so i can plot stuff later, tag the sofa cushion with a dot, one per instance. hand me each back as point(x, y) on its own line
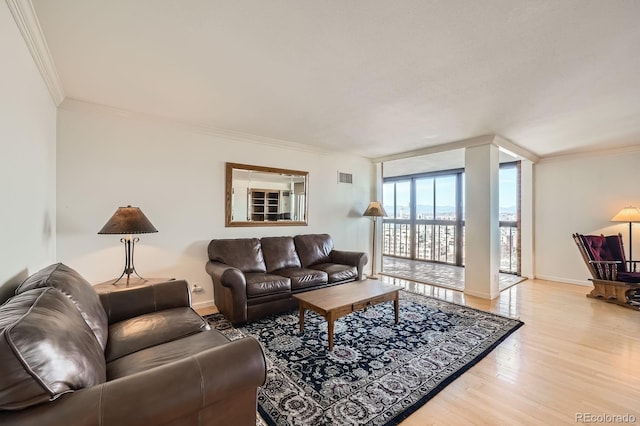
point(259, 284)
point(46, 349)
point(338, 273)
point(304, 278)
point(144, 331)
point(279, 253)
point(75, 288)
point(165, 353)
point(314, 248)
point(242, 253)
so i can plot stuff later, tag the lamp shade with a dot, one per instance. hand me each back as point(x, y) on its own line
point(128, 220)
point(375, 209)
point(628, 214)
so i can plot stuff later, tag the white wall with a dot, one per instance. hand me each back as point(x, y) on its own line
point(27, 174)
point(176, 176)
point(580, 194)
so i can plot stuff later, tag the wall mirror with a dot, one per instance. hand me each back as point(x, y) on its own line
point(265, 196)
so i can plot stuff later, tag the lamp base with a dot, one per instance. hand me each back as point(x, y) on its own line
point(129, 245)
point(128, 273)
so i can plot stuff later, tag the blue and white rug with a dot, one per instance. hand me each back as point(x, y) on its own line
point(379, 372)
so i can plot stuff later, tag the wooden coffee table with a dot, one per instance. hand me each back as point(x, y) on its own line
point(342, 299)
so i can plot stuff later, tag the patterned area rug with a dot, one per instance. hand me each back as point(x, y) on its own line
point(379, 372)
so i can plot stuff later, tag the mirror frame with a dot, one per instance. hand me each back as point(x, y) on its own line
point(229, 191)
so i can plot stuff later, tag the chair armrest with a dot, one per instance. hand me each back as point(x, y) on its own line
point(135, 301)
point(606, 269)
point(353, 258)
point(161, 395)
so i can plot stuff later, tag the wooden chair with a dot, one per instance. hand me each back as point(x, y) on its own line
point(612, 280)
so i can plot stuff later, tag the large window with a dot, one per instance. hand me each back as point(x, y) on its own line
point(426, 217)
point(397, 203)
point(509, 221)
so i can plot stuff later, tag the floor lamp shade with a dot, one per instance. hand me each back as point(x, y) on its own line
point(128, 220)
point(628, 214)
point(374, 211)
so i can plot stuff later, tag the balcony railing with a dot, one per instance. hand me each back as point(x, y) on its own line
point(436, 242)
point(509, 247)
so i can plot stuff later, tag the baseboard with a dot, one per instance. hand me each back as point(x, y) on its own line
point(204, 304)
point(481, 294)
point(563, 280)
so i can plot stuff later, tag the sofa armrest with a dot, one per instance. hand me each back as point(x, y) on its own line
point(353, 258)
point(229, 290)
point(179, 390)
point(135, 301)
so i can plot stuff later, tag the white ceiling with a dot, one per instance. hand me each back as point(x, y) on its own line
point(374, 77)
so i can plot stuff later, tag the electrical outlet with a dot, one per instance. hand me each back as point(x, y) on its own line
point(195, 288)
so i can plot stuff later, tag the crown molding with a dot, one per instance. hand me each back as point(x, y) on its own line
point(75, 105)
point(591, 153)
point(450, 146)
point(515, 150)
point(503, 143)
point(25, 17)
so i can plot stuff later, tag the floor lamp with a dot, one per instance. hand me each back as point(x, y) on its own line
point(374, 211)
point(128, 220)
point(628, 214)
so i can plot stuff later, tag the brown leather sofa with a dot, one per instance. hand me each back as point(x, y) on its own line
point(253, 278)
point(143, 356)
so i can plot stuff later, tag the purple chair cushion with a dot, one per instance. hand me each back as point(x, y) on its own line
point(629, 277)
point(607, 248)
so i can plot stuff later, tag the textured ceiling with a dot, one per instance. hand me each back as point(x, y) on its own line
point(374, 77)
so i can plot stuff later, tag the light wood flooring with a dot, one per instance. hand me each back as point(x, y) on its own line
point(438, 274)
point(575, 357)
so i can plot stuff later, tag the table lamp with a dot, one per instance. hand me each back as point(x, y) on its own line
point(128, 220)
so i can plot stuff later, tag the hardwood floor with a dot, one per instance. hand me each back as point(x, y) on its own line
point(575, 357)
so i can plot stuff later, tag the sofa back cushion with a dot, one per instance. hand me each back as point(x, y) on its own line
point(279, 253)
point(314, 248)
point(76, 288)
point(242, 253)
point(152, 329)
point(46, 349)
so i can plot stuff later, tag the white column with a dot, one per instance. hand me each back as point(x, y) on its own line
point(482, 226)
point(378, 196)
point(526, 219)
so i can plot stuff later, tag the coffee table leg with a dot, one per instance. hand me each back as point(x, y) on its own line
point(330, 332)
point(396, 305)
point(301, 317)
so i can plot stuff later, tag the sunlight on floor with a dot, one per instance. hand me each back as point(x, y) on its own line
point(437, 274)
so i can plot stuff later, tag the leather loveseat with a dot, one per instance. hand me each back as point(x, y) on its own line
point(143, 356)
point(253, 278)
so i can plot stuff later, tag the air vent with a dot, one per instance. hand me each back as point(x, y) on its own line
point(345, 177)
